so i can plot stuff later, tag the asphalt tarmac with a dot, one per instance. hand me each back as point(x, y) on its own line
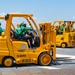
point(64, 65)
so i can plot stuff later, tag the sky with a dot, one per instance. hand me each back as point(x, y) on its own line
point(42, 10)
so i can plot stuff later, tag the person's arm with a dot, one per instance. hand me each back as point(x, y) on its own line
point(28, 28)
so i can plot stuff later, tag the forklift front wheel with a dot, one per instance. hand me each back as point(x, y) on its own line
point(44, 59)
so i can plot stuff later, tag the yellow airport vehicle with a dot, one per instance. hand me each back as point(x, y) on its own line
point(67, 37)
point(18, 52)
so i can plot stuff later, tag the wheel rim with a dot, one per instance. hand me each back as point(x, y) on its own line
point(63, 45)
point(8, 62)
point(45, 59)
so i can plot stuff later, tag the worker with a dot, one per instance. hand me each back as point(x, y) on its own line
point(22, 33)
point(21, 28)
point(24, 27)
point(67, 28)
point(0, 29)
point(19, 32)
point(62, 28)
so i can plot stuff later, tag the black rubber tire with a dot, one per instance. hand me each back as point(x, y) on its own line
point(8, 62)
point(40, 56)
point(63, 45)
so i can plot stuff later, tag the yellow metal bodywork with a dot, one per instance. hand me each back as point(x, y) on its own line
point(49, 36)
point(18, 50)
point(67, 38)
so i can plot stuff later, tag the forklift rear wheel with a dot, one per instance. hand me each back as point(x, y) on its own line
point(7, 62)
point(63, 45)
point(44, 59)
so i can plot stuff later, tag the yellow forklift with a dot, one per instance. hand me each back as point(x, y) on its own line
point(18, 52)
point(67, 37)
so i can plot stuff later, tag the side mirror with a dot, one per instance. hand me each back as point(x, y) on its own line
point(3, 34)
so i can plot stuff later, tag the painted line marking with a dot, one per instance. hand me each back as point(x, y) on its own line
point(62, 55)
